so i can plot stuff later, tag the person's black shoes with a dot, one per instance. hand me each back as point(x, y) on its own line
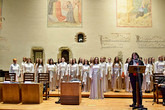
point(133, 105)
point(141, 106)
point(147, 91)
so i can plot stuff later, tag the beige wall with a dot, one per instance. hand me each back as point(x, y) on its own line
point(25, 26)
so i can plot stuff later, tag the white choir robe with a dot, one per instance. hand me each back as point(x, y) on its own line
point(28, 68)
point(96, 76)
point(85, 77)
point(58, 71)
point(35, 70)
point(55, 83)
point(51, 70)
point(116, 73)
point(148, 73)
point(127, 78)
point(68, 71)
point(109, 73)
point(57, 74)
point(74, 71)
point(40, 69)
point(89, 88)
point(22, 69)
point(15, 68)
point(105, 79)
point(153, 67)
point(91, 64)
point(62, 71)
point(154, 70)
point(80, 65)
point(144, 81)
point(109, 70)
point(45, 68)
point(159, 67)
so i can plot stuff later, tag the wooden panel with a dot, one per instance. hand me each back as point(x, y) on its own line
point(70, 93)
point(11, 93)
point(32, 93)
point(67, 100)
point(0, 92)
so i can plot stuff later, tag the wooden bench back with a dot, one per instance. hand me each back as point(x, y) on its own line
point(10, 76)
point(156, 77)
point(28, 77)
point(43, 77)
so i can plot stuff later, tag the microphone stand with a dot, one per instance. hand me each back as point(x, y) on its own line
point(58, 102)
point(138, 80)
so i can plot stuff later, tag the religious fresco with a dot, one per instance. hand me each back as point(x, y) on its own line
point(64, 13)
point(1, 1)
point(134, 13)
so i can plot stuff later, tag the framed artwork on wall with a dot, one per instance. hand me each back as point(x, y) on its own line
point(134, 13)
point(1, 3)
point(64, 13)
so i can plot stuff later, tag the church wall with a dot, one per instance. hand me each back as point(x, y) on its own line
point(25, 26)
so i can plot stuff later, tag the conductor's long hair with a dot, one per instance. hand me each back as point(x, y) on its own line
point(135, 54)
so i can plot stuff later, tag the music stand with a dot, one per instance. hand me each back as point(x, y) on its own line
point(137, 70)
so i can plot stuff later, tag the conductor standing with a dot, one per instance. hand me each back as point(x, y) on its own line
point(135, 62)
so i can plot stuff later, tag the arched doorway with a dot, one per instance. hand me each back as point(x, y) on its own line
point(65, 54)
point(37, 52)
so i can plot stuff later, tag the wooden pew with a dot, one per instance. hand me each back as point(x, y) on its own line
point(28, 77)
point(44, 78)
point(156, 86)
point(10, 77)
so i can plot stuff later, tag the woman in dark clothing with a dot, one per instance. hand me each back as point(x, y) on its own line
point(135, 62)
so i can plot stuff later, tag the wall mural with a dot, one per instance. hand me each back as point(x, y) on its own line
point(1, 1)
point(134, 13)
point(64, 13)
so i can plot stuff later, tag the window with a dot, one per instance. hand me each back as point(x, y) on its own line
point(80, 37)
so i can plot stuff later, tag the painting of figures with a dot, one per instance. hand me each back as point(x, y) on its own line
point(1, 1)
point(134, 13)
point(64, 13)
